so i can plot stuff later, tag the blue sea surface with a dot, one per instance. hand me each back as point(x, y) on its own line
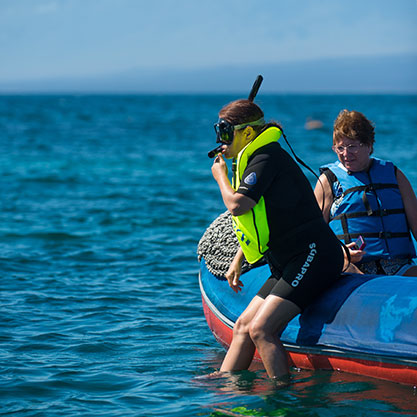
point(104, 200)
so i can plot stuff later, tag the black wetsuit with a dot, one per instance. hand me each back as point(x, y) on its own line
point(304, 255)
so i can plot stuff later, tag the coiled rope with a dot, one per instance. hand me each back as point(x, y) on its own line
point(218, 246)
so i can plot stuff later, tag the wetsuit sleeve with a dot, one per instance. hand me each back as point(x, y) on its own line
point(259, 174)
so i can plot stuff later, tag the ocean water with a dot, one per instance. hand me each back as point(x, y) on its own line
point(104, 199)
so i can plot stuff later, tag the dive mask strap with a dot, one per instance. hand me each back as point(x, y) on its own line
point(259, 122)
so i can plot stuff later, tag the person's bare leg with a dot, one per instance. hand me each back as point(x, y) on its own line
point(411, 272)
point(352, 269)
point(272, 316)
point(241, 350)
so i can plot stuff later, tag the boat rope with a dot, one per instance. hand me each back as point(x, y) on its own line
point(218, 246)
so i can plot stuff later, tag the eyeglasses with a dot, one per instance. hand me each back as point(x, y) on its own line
point(351, 148)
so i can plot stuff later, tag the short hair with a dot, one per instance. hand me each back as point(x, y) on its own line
point(353, 125)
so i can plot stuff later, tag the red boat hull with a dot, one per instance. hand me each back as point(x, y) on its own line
point(316, 358)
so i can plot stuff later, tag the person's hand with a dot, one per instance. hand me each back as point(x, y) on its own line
point(356, 255)
point(219, 167)
point(233, 274)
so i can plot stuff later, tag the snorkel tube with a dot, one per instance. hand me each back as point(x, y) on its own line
point(255, 88)
point(251, 97)
point(215, 151)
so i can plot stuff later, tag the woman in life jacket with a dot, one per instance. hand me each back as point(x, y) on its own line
point(276, 216)
point(368, 198)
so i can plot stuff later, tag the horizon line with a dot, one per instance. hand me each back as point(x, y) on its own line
point(201, 93)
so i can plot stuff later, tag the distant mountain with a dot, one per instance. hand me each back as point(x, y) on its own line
point(379, 74)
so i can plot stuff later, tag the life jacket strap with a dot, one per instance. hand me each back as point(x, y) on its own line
point(379, 235)
point(369, 187)
point(346, 236)
point(379, 213)
point(366, 202)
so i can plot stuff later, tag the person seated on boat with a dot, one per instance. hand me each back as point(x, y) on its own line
point(369, 197)
point(275, 215)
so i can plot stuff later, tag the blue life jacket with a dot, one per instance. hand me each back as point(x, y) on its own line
point(370, 204)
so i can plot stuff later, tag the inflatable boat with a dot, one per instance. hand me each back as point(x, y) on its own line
point(363, 324)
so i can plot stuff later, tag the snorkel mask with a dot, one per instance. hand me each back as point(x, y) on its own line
point(225, 131)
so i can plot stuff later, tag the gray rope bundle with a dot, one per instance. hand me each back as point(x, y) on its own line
point(218, 246)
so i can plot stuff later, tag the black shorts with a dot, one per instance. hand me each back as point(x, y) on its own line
point(307, 275)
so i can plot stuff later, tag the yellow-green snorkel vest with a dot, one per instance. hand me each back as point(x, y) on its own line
point(252, 228)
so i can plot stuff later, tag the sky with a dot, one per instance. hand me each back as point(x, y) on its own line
point(71, 38)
